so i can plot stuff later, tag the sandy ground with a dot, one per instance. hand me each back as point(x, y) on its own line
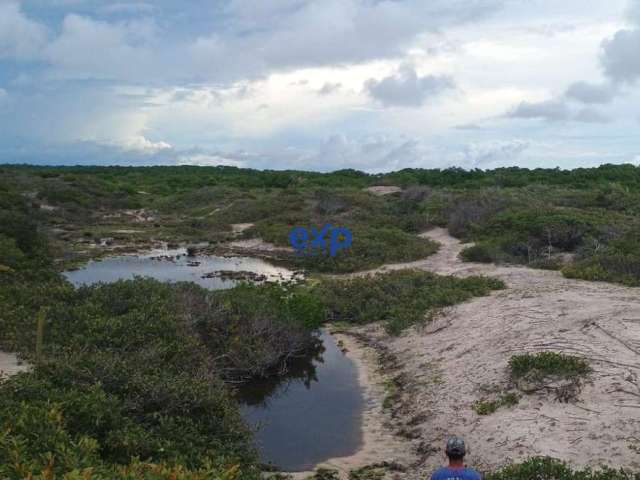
point(447, 366)
point(9, 364)
point(238, 228)
point(380, 190)
point(256, 245)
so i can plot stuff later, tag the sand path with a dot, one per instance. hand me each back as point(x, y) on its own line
point(9, 364)
point(447, 366)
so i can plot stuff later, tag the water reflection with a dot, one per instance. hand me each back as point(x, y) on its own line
point(174, 266)
point(301, 368)
point(311, 415)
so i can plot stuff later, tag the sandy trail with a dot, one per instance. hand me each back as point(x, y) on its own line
point(9, 364)
point(446, 367)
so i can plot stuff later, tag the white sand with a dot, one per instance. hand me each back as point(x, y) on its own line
point(470, 345)
point(9, 364)
point(256, 245)
point(240, 227)
point(380, 190)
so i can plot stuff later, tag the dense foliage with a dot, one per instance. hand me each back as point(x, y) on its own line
point(400, 298)
point(134, 377)
point(583, 221)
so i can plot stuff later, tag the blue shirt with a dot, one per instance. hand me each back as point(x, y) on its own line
point(446, 473)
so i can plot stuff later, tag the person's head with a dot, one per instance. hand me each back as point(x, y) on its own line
point(455, 450)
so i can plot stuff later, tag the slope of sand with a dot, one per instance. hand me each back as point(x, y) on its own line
point(9, 365)
point(380, 190)
point(445, 367)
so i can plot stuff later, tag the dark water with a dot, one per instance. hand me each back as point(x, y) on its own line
point(311, 415)
point(124, 267)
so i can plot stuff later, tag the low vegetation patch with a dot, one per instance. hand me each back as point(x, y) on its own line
point(487, 407)
point(545, 364)
point(552, 469)
point(400, 298)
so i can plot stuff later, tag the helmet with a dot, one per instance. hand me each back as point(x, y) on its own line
point(455, 447)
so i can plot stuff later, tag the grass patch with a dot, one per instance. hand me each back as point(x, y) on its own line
point(392, 391)
point(548, 364)
point(552, 469)
point(487, 407)
point(367, 473)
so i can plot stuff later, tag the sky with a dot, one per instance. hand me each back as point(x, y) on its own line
point(375, 85)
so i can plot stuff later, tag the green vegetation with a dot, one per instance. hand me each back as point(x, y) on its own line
point(400, 299)
point(392, 391)
point(135, 369)
point(487, 407)
point(133, 380)
point(548, 363)
point(552, 469)
point(122, 378)
point(583, 221)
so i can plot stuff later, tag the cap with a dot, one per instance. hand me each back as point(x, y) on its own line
point(455, 446)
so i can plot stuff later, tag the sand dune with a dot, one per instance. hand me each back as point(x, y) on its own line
point(449, 365)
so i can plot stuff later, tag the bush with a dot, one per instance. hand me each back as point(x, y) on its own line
point(129, 371)
point(617, 268)
point(548, 363)
point(400, 299)
point(482, 253)
point(486, 407)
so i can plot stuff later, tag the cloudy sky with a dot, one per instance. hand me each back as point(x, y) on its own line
point(375, 85)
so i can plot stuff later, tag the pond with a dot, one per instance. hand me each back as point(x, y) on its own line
point(173, 265)
point(310, 414)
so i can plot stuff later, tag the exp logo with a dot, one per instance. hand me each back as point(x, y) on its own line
point(315, 241)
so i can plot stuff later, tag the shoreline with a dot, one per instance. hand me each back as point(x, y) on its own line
point(379, 443)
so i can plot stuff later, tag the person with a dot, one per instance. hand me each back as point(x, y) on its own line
point(455, 451)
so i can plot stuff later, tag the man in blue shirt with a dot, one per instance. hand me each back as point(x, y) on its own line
point(456, 470)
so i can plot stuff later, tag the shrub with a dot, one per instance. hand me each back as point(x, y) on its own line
point(548, 363)
point(128, 372)
point(482, 253)
point(486, 407)
point(400, 298)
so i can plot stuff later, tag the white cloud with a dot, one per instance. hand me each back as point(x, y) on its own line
point(20, 37)
point(208, 160)
point(140, 143)
point(280, 82)
point(87, 48)
point(492, 154)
